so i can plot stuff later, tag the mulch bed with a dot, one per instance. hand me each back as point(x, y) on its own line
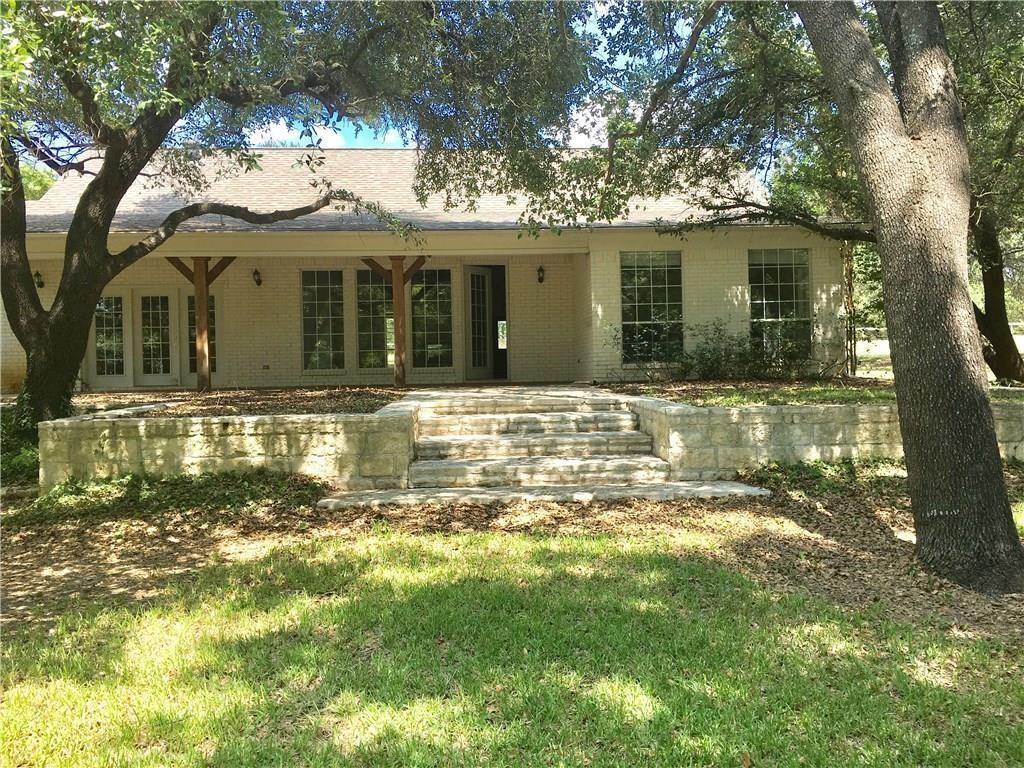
point(843, 390)
point(245, 402)
point(768, 391)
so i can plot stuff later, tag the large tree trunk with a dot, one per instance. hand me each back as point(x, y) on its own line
point(54, 355)
point(912, 158)
point(1001, 353)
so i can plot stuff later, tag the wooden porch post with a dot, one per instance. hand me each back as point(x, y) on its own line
point(398, 310)
point(201, 288)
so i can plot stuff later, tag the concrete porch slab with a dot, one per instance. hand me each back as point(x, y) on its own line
point(585, 494)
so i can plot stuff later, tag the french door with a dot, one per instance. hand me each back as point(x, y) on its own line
point(156, 343)
point(479, 341)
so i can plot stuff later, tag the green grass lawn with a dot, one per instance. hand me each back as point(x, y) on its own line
point(733, 394)
point(381, 643)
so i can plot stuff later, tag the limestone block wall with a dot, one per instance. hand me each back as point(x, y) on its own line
point(353, 451)
point(709, 443)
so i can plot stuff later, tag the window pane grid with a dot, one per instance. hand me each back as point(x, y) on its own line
point(376, 320)
point(110, 336)
point(323, 333)
point(432, 318)
point(652, 303)
point(156, 335)
point(478, 321)
point(211, 334)
point(780, 296)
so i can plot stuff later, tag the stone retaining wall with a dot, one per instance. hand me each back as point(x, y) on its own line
point(354, 451)
point(714, 443)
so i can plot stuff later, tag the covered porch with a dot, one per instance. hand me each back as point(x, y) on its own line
point(236, 321)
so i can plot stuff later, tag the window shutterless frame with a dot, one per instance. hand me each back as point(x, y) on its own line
point(781, 304)
point(157, 336)
point(322, 331)
point(107, 345)
point(651, 284)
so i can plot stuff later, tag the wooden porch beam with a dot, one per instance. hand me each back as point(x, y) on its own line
point(398, 312)
point(179, 265)
point(415, 267)
point(201, 288)
point(382, 272)
point(219, 267)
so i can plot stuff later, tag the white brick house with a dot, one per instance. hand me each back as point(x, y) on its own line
point(298, 305)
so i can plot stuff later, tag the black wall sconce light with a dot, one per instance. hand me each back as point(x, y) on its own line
point(257, 277)
point(540, 274)
point(39, 279)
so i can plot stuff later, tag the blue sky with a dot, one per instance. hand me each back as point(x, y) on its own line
point(345, 136)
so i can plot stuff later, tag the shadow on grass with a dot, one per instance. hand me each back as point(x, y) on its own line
point(82, 547)
point(397, 649)
point(170, 499)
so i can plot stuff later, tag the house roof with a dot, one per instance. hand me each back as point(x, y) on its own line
point(384, 176)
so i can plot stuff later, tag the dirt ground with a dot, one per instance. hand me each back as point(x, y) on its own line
point(245, 402)
point(854, 550)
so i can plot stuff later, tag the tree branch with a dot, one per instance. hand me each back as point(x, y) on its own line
point(662, 88)
point(322, 83)
point(21, 299)
point(83, 93)
point(50, 157)
point(736, 210)
point(176, 218)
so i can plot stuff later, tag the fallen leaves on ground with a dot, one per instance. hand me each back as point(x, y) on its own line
point(851, 545)
point(246, 402)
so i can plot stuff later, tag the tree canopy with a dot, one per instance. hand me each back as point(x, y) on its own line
point(153, 87)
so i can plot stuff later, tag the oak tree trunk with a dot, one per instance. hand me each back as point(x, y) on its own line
point(912, 157)
point(55, 353)
point(1001, 353)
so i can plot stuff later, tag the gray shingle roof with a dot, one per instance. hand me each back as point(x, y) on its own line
point(380, 175)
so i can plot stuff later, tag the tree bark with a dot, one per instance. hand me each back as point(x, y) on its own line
point(54, 356)
point(912, 158)
point(1001, 353)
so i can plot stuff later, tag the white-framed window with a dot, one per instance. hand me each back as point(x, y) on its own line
point(432, 345)
point(780, 297)
point(375, 310)
point(156, 335)
point(323, 329)
point(109, 336)
point(652, 304)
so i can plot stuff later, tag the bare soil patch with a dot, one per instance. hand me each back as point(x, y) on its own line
point(245, 402)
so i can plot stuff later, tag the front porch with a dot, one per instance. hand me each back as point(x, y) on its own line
point(353, 320)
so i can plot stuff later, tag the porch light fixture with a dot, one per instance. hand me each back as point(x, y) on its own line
point(39, 279)
point(540, 274)
point(257, 277)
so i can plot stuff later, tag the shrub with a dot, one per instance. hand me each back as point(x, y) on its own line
point(714, 352)
point(19, 450)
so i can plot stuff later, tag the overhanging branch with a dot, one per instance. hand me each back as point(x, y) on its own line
point(176, 218)
point(734, 210)
point(662, 88)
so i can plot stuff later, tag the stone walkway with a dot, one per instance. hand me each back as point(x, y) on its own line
point(584, 494)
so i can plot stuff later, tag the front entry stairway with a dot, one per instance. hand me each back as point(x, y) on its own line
point(532, 441)
point(492, 445)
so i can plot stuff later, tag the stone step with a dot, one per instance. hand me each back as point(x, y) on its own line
point(579, 494)
point(533, 404)
point(542, 444)
point(526, 423)
point(537, 470)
